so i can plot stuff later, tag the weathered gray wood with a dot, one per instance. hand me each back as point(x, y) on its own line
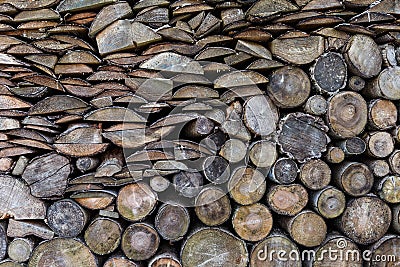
point(47, 175)
point(103, 236)
point(302, 136)
point(66, 218)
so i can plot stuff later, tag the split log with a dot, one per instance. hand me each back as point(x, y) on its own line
point(306, 228)
point(18, 202)
point(211, 246)
point(47, 175)
point(140, 241)
point(103, 236)
point(66, 218)
point(363, 56)
point(357, 224)
point(26, 228)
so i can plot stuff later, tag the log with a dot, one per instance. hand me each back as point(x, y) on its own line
point(188, 184)
point(302, 136)
point(347, 114)
point(379, 144)
point(261, 254)
point(216, 169)
point(335, 154)
point(284, 171)
point(172, 222)
point(287, 200)
point(343, 246)
point(379, 167)
point(253, 222)
point(65, 251)
point(213, 247)
point(289, 87)
point(136, 201)
point(246, 185)
point(165, 259)
point(316, 105)
point(329, 73)
point(20, 249)
point(382, 114)
point(315, 174)
point(385, 250)
point(263, 153)
point(352, 146)
point(394, 162)
point(329, 202)
point(212, 206)
point(353, 178)
point(140, 241)
point(386, 189)
point(396, 218)
point(357, 224)
point(356, 83)
point(103, 236)
point(119, 261)
point(233, 150)
point(306, 228)
point(66, 218)
point(384, 86)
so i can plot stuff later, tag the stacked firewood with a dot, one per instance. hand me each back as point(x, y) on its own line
point(199, 133)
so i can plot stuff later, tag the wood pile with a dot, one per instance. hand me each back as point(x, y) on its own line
point(199, 132)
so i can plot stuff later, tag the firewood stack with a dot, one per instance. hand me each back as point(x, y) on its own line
point(199, 133)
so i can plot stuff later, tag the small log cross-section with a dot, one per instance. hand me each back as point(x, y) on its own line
point(47, 175)
point(302, 136)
